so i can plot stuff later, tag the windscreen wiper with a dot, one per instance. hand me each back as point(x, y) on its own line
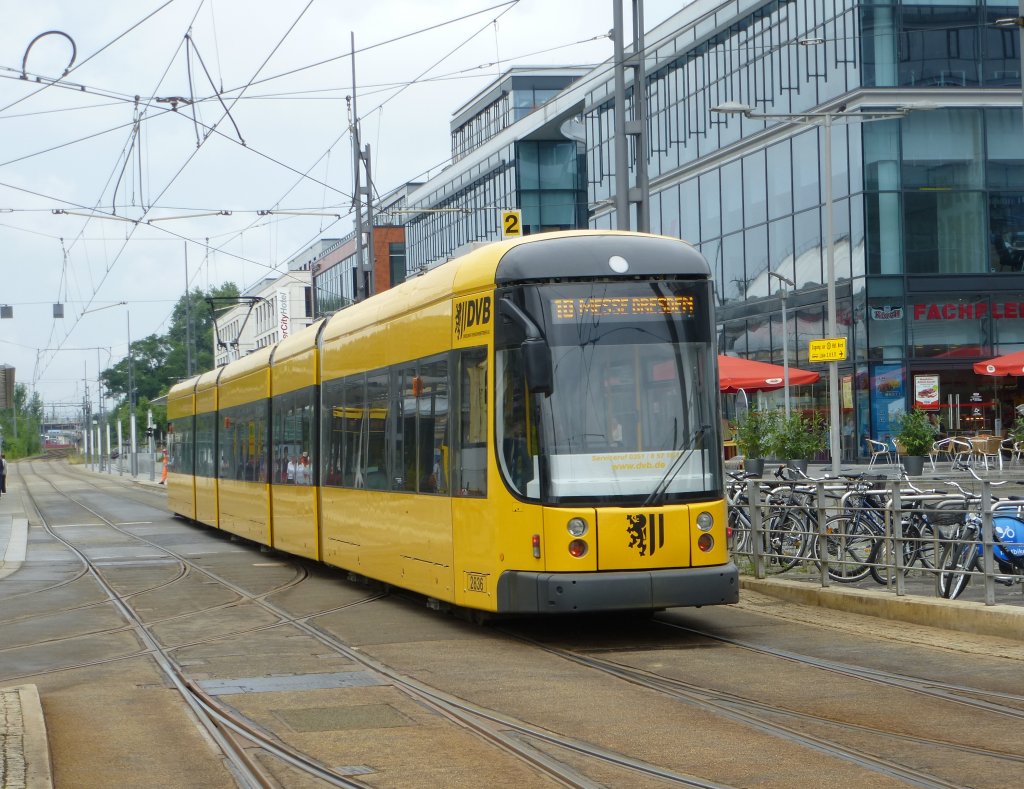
point(657, 494)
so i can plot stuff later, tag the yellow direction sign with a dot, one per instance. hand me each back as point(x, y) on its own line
point(511, 223)
point(831, 349)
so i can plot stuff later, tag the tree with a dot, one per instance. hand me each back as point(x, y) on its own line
point(160, 361)
point(202, 332)
point(28, 411)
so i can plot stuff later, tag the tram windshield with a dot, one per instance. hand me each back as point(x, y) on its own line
point(633, 411)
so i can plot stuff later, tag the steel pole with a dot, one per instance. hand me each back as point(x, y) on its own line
point(621, 151)
point(833, 367)
point(785, 353)
point(133, 467)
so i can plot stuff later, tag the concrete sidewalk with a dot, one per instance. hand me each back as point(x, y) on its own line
point(962, 616)
point(24, 751)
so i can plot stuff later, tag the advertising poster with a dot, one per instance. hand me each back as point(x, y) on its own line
point(926, 392)
point(888, 399)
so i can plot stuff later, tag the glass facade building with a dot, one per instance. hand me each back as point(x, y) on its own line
point(927, 209)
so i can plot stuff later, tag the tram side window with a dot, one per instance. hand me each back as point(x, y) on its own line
point(206, 434)
point(293, 454)
point(432, 427)
point(375, 421)
point(242, 442)
point(471, 441)
point(180, 447)
point(353, 426)
point(516, 428)
point(405, 382)
point(332, 427)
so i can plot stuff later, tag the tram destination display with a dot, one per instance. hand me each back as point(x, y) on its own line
point(624, 308)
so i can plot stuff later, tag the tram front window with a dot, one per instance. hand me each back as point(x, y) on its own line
point(633, 406)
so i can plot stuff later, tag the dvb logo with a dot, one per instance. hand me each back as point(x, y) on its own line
point(471, 313)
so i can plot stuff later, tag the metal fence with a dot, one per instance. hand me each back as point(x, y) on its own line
point(148, 465)
point(950, 542)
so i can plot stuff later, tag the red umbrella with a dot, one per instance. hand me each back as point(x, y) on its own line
point(752, 376)
point(1010, 364)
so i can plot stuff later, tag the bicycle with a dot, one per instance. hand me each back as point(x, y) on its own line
point(788, 525)
point(964, 554)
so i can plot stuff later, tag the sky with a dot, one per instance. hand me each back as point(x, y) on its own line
point(149, 187)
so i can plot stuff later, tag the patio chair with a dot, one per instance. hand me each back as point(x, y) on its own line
point(1011, 449)
point(986, 448)
point(955, 450)
point(879, 449)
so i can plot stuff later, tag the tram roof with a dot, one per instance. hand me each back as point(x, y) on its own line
point(567, 253)
point(298, 343)
point(257, 360)
point(188, 386)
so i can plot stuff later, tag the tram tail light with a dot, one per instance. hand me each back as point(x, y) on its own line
point(536, 546)
point(706, 542)
point(578, 548)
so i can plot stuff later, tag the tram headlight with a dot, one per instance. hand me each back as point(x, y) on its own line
point(705, 521)
point(577, 527)
point(706, 542)
point(578, 548)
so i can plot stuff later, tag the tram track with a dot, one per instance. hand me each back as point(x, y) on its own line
point(806, 728)
point(937, 689)
point(534, 745)
point(738, 709)
point(515, 738)
point(221, 726)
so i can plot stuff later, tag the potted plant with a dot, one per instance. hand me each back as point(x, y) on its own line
point(1017, 430)
point(914, 436)
point(798, 438)
point(753, 436)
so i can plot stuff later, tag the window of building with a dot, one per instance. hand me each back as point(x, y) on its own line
point(780, 184)
point(710, 205)
point(942, 149)
point(396, 262)
point(944, 232)
point(885, 323)
point(551, 191)
point(950, 327)
point(755, 195)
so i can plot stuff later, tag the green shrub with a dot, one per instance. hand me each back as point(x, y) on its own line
point(799, 437)
point(753, 434)
point(915, 432)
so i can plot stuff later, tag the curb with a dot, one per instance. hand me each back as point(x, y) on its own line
point(1002, 621)
point(24, 751)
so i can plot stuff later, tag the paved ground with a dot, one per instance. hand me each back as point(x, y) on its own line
point(24, 757)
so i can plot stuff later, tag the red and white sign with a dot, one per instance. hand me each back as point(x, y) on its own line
point(886, 313)
point(926, 392)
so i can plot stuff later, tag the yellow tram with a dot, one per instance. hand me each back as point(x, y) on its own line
point(529, 428)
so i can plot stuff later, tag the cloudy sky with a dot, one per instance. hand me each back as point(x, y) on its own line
point(268, 130)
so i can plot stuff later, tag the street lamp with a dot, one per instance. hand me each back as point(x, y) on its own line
point(785, 338)
point(826, 118)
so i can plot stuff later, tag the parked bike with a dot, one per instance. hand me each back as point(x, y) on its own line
point(964, 554)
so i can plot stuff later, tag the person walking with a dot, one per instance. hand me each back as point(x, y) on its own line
point(3, 473)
